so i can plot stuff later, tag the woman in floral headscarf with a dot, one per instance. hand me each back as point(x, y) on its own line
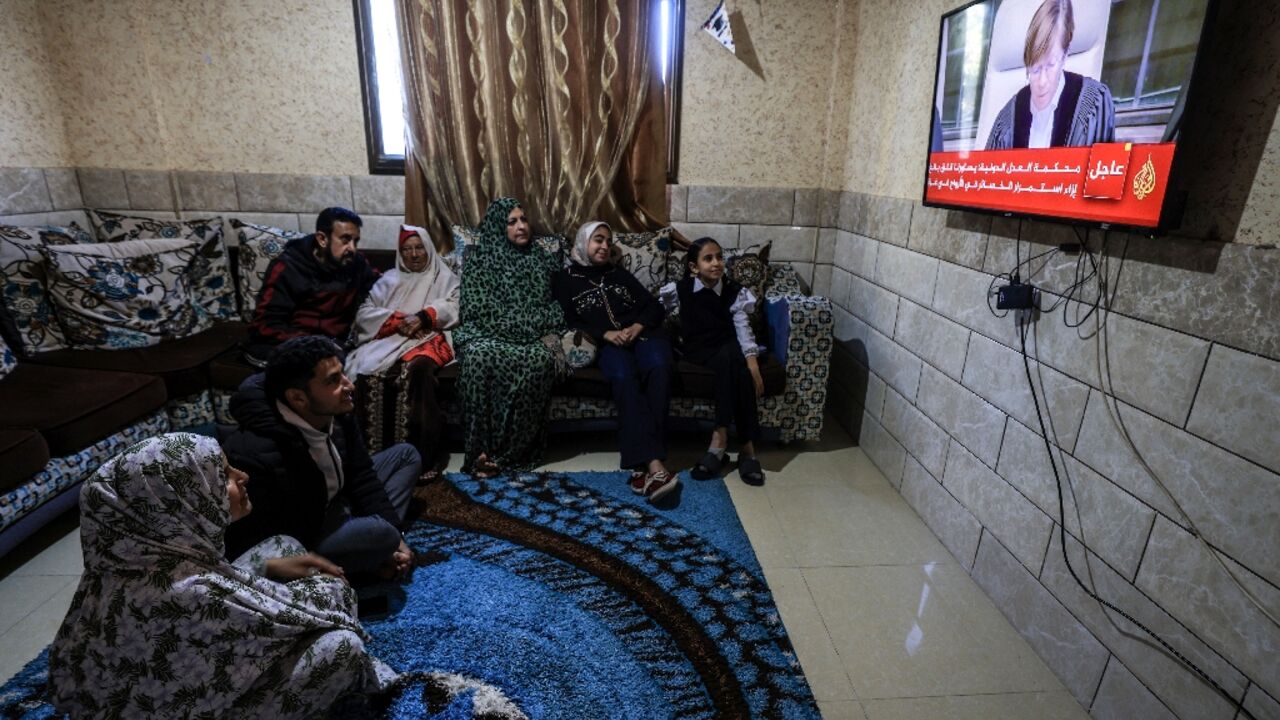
point(163, 626)
point(503, 343)
point(404, 324)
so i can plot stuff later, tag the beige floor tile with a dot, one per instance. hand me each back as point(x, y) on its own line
point(842, 710)
point(1013, 706)
point(762, 527)
point(809, 636)
point(63, 557)
point(20, 596)
point(26, 639)
point(847, 525)
point(914, 631)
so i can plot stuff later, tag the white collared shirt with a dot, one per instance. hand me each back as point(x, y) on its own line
point(1042, 120)
point(739, 310)
point(320, 445)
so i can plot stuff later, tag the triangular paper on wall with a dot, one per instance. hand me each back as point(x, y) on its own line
point(718, 26)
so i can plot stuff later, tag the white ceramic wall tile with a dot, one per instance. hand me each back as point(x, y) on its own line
point(998, 374)
point(887, 453)
point(1230, 500)
point(1159, 670)
point(955, 526)
point(907, 273)
point(1151, 367)
point(875, 305)
point(788, 244)
point(1121, 696)
point(1178, 573)
point(1066, 646)
point(935, 339)
point(975, 423)
point(1020, 526)
point(1238, 406)
point(916, 432)
point(856, 253)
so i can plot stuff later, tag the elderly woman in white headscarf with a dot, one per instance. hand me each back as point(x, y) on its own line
point(607, 303)
point(163, 626)
point(401, 329)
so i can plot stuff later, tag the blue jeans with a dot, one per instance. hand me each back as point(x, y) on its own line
point(364, 543)
point(640, 376)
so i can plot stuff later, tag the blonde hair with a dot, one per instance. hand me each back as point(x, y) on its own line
point(1051, 17)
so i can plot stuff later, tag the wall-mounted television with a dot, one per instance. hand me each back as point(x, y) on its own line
point(1063, 109)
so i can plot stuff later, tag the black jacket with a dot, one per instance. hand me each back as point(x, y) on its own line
point(286, 487)
point(302, 296)
point(601, 298)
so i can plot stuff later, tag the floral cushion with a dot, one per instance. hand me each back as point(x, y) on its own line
point(579, 349)
point(647, 256)
point(211, 283)
point(132, 293)
point(749, 267)
point(259, 245)
point(8, 361)
point(22, 281)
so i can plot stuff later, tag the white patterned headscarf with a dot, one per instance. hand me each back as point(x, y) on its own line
point(163, 626)
point(579, 252)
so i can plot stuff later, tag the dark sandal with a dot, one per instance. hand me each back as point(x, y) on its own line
point(750, 471)
point(711, 465)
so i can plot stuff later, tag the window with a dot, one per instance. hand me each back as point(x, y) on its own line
point(378, 45)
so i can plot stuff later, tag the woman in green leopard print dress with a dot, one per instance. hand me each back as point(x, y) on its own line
point(507, 367)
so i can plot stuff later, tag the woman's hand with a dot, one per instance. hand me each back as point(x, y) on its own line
point(300, 566)
point(616, 337)
point(411, 327)
point(633, 332)
point(753, 365)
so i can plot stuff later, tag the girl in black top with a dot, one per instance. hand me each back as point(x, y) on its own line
point(715, 333)
point(607, 303)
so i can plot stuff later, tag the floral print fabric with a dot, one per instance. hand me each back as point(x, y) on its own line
point(22, 282)
point(211, 285)
point(7, 359)
point(162, 626)
point(259, 245)
point(124, 294)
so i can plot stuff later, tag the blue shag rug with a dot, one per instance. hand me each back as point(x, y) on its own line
point(564, 595)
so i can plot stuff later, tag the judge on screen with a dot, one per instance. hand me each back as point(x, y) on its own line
point(1056, 108)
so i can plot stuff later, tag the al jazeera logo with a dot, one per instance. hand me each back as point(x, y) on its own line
point(1145, 181)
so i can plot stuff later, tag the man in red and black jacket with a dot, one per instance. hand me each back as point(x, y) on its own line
point(313, 288)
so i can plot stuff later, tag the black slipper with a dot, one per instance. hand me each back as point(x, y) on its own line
point(750, 471)
point(711, 465)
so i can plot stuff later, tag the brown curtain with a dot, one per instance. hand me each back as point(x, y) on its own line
point(555, 102)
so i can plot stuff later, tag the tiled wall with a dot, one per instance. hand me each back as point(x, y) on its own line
point(745, 216)
point(30, 195)
point(934, 387)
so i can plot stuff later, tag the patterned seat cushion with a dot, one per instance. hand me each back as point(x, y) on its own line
point(74, 408)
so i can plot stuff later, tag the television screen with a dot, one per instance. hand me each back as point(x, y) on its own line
point(1062, 108)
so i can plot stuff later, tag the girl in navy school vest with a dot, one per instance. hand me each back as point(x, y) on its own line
point(715, 333)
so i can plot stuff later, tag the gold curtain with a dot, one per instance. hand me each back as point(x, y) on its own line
point(555, 102)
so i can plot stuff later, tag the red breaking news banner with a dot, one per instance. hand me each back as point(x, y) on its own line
point(1121, 183)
